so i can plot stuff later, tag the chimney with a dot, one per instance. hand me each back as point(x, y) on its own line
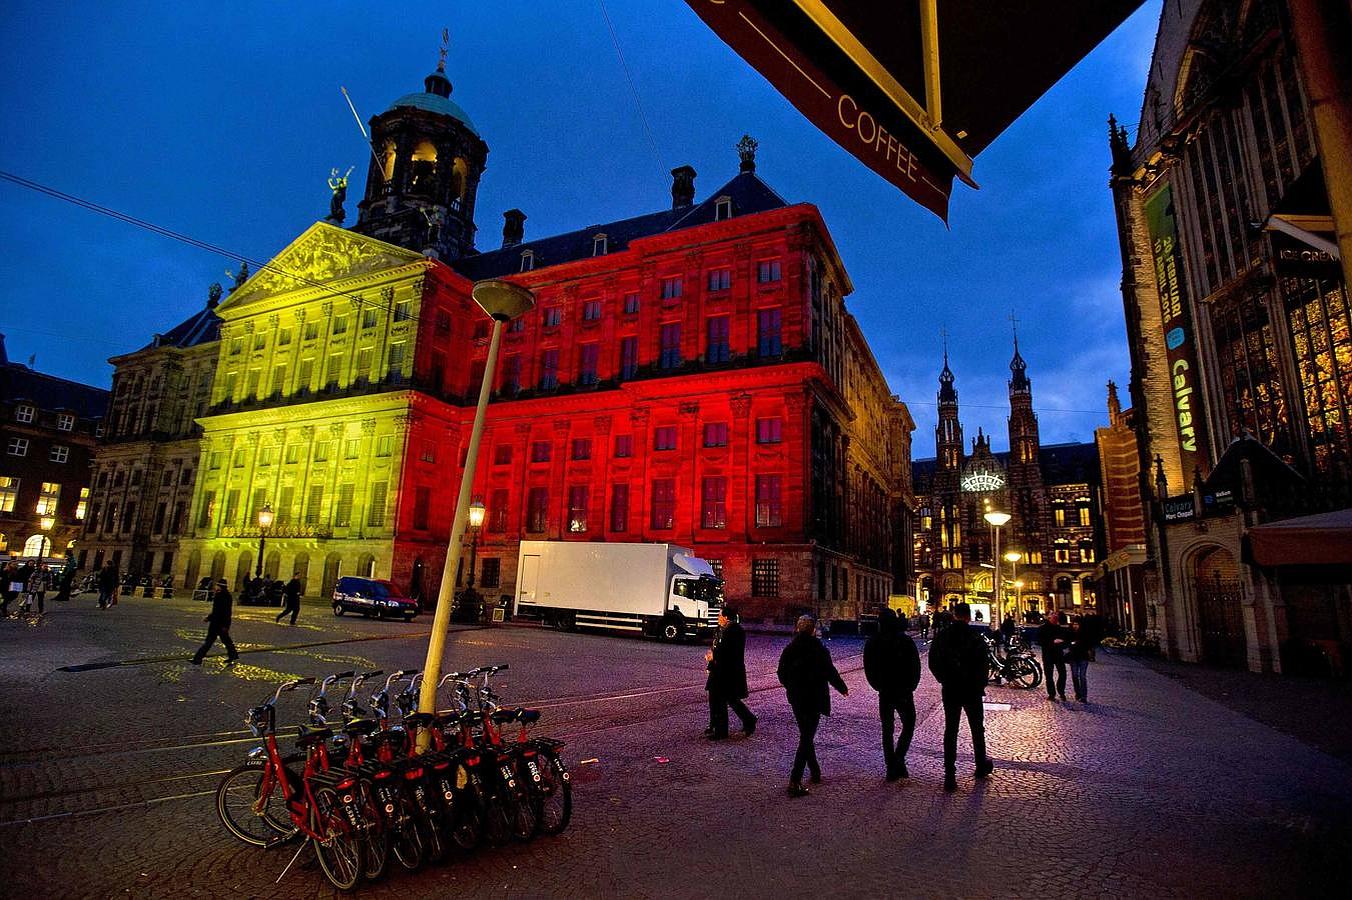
point(682, 187)
point(513, 227)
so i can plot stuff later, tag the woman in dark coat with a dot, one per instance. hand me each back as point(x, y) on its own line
point(805, 670)
point(727, 677)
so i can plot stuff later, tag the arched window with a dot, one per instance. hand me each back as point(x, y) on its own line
point(387, 160)
point(37, 545)
point(423, 176)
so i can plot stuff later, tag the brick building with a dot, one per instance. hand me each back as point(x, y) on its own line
point(1051, 493)
point(1239, 332)
point(47, 432)
point(689, 375)
point(1122, 598)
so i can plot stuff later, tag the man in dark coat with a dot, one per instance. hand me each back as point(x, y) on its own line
point(957, 659)
point(727, 677)
point(805, 670)
point(108, 583)
point(218, 625)
point(290, 599)
point(1054, 640)
point(892, 667)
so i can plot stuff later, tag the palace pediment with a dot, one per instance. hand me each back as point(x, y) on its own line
point(322, 254)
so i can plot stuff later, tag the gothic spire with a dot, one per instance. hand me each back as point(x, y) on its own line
point(1019, 382)
point(946, 392)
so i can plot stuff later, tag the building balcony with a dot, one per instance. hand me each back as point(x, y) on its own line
point(277, 531)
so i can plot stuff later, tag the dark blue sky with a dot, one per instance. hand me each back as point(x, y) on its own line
point(221, 120)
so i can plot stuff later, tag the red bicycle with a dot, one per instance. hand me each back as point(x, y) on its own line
point(266, 802)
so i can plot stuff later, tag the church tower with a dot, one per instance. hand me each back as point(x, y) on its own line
point(1028, 529)
point(948, 433)
point(424, 174)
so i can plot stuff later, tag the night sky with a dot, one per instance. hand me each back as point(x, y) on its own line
point(222, 121)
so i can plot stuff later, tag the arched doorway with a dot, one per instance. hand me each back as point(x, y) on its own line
point(243, 570)
point(332, 562)
point(366, 565)
point(217, 566)
point(1220, 612)
point(190, 572)
point(301, 569)
point(273, 564)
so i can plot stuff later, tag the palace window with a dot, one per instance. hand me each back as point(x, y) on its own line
point(600, 244)
point(619, 507)
point(577, 508)
point(769, 502)
point(769, 430)
point(537, 510)
point(82, 507)
point(370, 317)
point(552, 316)
point(624, 446)
point(427, 451)
point(284, 337)
point(767, 271)
point(502, 455)
point(511, 375)
point(208, 510)
point(48, 496)
point(582, 448)
point(591, 310)
point(663, 504)
point(671, 288)
point(768, 340)
point(722, 209)
point(527, 260)
point(17, 446)
point(1084, 515)
point(339, 325)
point(541, 451)
point(671, 346)
point(765, 578)
point(375, 510)
point(588, 359)
point(714, 502)
point(311, 331)
point(716, 434)
point(720, 279)
point(718, 349)
point(631, 303)
point(549, 369)
point(497, 511)
point(628, 358)
point(422, 506)
point(664, 438)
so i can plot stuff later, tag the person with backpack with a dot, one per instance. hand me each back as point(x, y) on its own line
point(957, 659)
point(805, 670)
point(892, 667)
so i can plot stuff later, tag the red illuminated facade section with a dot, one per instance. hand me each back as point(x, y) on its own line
point(702, 386)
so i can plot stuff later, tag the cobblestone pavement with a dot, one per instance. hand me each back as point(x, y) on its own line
point(1153, 790)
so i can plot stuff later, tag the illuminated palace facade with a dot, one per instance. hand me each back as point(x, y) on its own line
point(1050, 491)
point(690, 375)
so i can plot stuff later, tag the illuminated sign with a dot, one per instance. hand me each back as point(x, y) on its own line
point(1177, 325)
point(982, 481)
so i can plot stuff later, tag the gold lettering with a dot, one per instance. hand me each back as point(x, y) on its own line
point(840, 109)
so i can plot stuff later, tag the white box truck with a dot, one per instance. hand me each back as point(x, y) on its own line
point(656, 589)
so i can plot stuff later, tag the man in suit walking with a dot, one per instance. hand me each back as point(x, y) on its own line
point(218, 625)
point(726, 683)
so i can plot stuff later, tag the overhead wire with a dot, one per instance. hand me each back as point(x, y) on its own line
point(633, 89)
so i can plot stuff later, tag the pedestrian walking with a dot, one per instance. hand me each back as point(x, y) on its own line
point(10, 586)
point(806, 670)
point(107, 585)
point(957, 659)
point(1084, 639)
point(290, 599)
point(892, 667)
point(38, 583)
point(1054, 639)
point(1007, 629)
point(923, 622)
point(218, 625)
point(726, 683)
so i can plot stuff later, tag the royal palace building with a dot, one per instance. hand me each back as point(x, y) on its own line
point(1231, 202)
point(1051, 493)
point(690, 375)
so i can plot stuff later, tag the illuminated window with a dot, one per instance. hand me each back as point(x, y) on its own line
point(1059, 514)
point(311, 331)
point(352, 448)
point(334, 371)
point(769, 503)
point(321, 451)
point(403, 311)
point(663, 504)
point(714, 502)
point(716, 434)
point(283, 337)
point(9, 492)
point(767, 271)
point(1084, 515)
point(65, 422)
point(236, 346)
point(82, 507)
point(664, 438)
point(59, 453)
point(260, 341)
point(17, 446)
point(375, 509)
point(48, 496)
point(208, 510)
point(619, 507)
point(577, 508)
point(671, 288)
point(292, 454)
point(720, 279)
point(264, 456)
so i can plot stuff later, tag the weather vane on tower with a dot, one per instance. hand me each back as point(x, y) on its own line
point(445, 46)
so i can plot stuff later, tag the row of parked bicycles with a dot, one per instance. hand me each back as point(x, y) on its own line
point(360, 794)
point(1012, 663)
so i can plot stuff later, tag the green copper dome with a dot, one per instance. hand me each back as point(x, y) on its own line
point(436, 99)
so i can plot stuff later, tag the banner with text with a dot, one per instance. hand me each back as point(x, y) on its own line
point(1176, 322)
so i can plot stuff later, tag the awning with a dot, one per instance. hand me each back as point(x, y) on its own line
point(1320, 540)
point(913, 88)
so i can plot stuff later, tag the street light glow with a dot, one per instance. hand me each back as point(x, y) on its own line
point(998, 519)
point(1013, 556)
point(476, 514)
point(265, 516)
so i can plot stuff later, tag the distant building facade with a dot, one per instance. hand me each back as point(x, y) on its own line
point(48, 428)
point(690, 375)
point(1122, 589)
point(1240, 336)
point(1050, 492)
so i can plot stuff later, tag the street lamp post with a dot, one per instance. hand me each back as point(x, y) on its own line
point(502, 301)
point(476, 521)
point(997, 520)
point(46, 524)
point(264, 523)
point(1012, 557)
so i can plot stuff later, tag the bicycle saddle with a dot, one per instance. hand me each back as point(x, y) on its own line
point(308, 735)
point(360, 726)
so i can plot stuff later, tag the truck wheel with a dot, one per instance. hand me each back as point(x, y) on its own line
point(673, 627)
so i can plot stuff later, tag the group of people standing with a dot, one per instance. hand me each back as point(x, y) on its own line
point(1074, 644)
point(957, 659)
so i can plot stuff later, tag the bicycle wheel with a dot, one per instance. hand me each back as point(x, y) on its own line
point(497, 813)
point(434, 848)
point(555, 795)
point(524, 810)
point(340, 849)
point(465, 820)
point(405, 840)
point(376, 841)
point(1021, 673)
point(251, 818)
